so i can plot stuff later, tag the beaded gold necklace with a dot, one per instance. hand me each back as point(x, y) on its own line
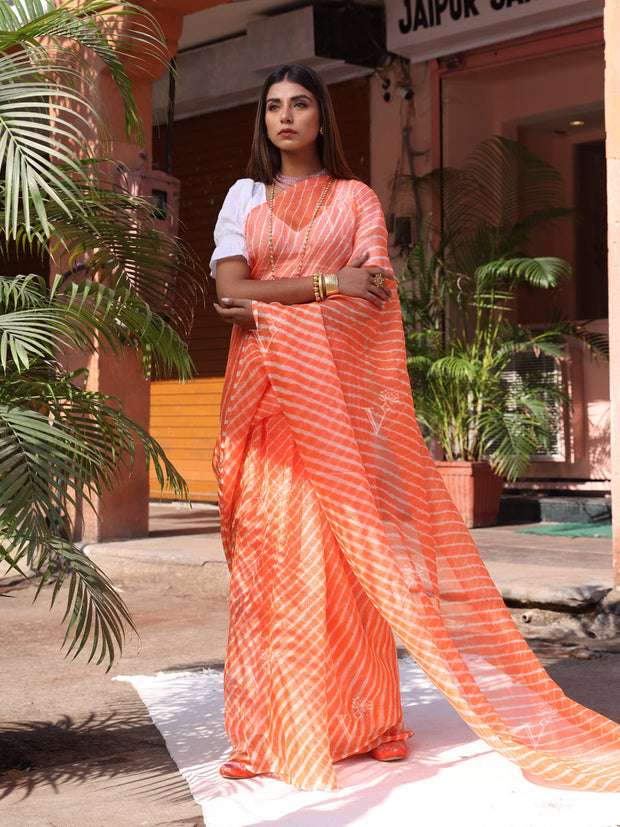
point(314, 214)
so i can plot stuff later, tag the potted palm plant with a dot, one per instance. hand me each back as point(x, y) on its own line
point(465, 344)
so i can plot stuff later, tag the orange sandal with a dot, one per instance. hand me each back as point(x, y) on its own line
point(392, 751)
point(236, 769)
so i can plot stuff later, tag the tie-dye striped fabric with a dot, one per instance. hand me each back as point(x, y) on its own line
point(337, 526)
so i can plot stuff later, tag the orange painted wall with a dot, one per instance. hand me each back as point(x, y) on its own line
point(185, 420)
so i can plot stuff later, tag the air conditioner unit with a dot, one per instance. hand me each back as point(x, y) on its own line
point(351, 32)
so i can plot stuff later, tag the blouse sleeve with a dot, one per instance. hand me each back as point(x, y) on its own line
point(370, 233)
point(229, 233)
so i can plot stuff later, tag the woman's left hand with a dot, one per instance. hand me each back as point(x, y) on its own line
point(236, 311)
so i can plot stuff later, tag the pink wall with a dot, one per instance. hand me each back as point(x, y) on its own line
point(494, 101)
point(387, 141)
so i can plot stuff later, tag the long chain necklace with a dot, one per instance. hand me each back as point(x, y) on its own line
point(314, 214)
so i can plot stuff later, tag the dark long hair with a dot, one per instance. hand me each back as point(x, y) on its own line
point(265, 157)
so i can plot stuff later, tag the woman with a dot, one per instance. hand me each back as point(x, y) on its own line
point(335, 522)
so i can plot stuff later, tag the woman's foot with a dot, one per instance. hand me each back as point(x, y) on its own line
point(236, 769)
point(391, 751)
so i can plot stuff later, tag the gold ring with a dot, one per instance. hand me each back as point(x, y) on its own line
point(378, 280)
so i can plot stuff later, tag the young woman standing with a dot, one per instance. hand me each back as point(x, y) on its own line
point(335, 522)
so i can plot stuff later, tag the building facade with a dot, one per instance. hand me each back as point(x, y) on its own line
point(417, 84)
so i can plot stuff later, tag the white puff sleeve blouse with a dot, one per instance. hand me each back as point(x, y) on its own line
point(229, 234)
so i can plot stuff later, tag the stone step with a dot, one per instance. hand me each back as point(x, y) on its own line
point(532, 508)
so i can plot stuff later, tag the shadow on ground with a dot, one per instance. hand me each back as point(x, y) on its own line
point(35, 753)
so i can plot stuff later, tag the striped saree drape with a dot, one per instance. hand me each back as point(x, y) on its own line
point(338, 529)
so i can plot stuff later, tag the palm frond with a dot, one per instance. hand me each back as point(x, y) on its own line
point(111, 32)
point(544, 271)
point(55, 457)
point(454, 366)
point(48, 120)
point(85, 315)
point(509, 442)
point(114, 237)
point(596, 343)
point(95, 613)
point(514, 432)
point(128, 290)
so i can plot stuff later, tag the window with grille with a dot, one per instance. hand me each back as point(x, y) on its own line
point(529, 369)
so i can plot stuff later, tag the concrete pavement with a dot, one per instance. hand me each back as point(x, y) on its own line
point(77, 749)
point(563, 584)
point(184, 540)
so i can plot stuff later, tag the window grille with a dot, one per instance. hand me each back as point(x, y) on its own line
point(529, 367)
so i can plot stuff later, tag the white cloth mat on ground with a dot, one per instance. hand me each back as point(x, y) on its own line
point(450, 776)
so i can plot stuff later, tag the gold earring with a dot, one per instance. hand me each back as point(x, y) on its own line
point(321, 131)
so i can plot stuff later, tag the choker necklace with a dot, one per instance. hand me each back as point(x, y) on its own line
point(290, 181)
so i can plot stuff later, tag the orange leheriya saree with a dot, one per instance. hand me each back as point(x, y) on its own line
point(337, 526)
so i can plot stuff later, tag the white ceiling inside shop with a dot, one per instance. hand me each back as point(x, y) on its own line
point(570, 121)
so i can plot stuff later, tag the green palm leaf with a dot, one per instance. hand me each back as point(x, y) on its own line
point(125, 288)
point(38, 155)
point(546, 272)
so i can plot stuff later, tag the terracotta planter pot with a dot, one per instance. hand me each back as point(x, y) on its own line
point(475, 489)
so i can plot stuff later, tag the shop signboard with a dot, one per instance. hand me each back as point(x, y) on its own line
point(424, 29)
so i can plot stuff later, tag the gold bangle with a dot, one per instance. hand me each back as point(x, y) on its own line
point(321, 287)
point(316, 283)
point(331, 285)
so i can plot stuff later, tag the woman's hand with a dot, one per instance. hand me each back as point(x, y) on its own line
point(364, 282)
point(353, 280)
point(236, 311)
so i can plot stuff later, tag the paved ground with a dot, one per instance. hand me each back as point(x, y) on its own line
point(77, 749)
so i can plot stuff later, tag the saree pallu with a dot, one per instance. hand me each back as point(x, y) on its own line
point(338, 529)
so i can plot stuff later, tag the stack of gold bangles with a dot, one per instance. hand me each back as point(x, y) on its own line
point(325, 285)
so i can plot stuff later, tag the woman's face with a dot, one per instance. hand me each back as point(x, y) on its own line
point(292, 117)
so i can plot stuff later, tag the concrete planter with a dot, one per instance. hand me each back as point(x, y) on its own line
point(475, 489)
